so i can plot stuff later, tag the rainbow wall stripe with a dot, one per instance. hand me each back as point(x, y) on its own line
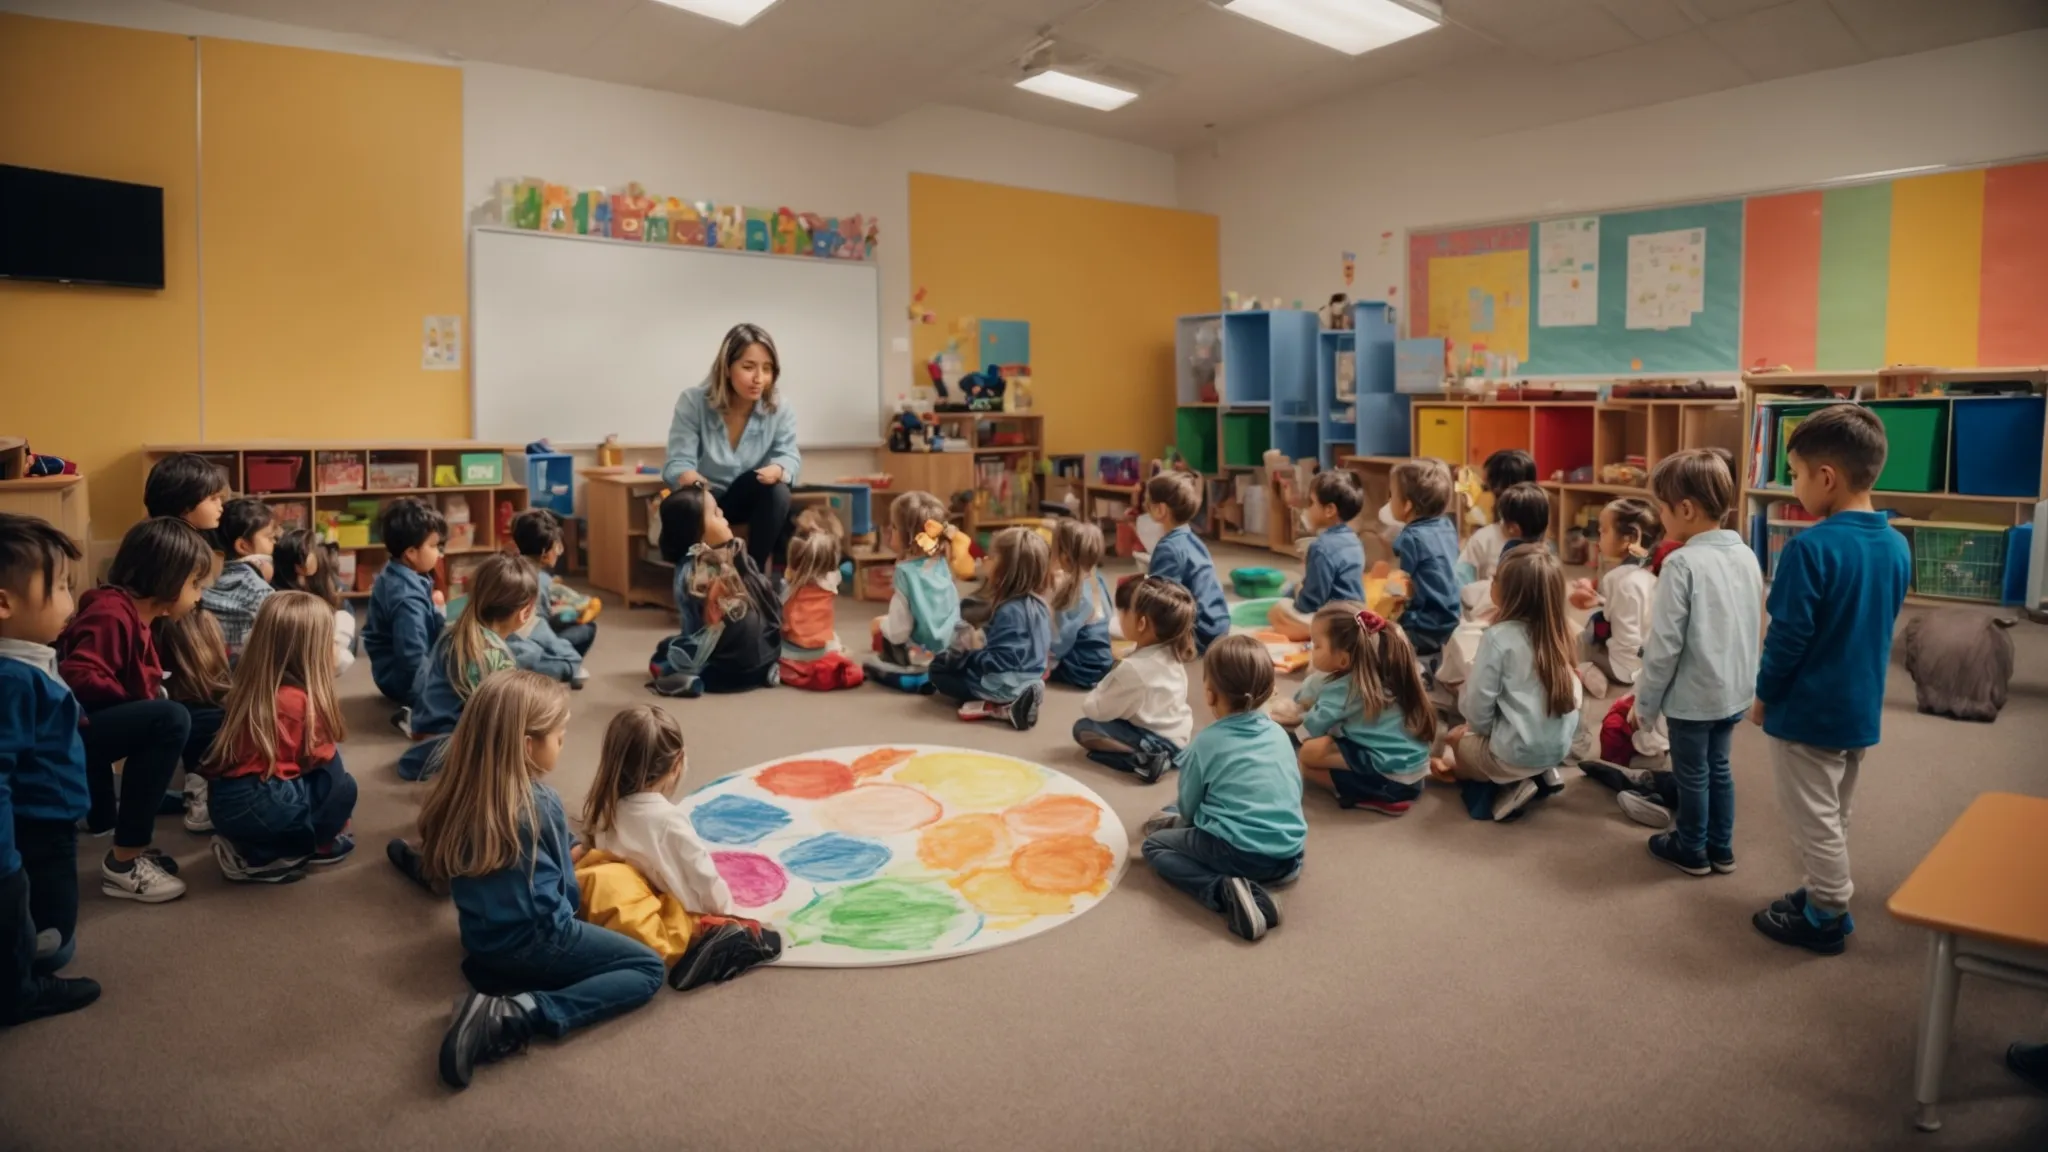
point(1948, 269)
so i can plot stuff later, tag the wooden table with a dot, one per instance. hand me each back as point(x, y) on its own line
point(1984, 894)
point(616, 504)
point(61, 500)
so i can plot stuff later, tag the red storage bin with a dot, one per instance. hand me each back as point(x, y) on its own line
point(273, 473)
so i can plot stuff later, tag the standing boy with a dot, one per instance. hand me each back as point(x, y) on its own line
point(1172, 499)
point(404, 621)
point(1335, 566)
point(247, 536)
point(1820, 687)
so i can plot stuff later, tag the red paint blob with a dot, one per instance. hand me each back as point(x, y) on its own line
point(806, 779)
point(754, 879)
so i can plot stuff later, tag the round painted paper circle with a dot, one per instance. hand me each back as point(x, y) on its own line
point(892, 854)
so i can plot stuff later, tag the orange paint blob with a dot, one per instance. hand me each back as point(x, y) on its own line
point(998, 892)
point(1054, 814)
point(806, 779)
point(1062, 864)
point(878, 810)
point(879, 761)
point(964, 841)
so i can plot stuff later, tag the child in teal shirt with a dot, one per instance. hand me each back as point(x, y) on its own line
point(1238, 823)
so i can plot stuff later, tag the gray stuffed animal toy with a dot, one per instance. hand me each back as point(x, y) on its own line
point(1960, 661)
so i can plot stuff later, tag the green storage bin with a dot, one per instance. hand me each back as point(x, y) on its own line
point(1246, 436)
point(1194, 434)
point(483, 468)
point(1917, 457)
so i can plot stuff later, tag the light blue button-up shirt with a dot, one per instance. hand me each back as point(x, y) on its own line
point(697, 441)
point(1700, 657)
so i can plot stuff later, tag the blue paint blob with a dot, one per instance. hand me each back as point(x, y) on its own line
point(736, 820)
point(832, 857)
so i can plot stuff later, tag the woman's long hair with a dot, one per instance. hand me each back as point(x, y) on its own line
point(291, 643)
point(480, 813)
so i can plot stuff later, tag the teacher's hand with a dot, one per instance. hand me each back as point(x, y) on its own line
point(690, 479)
point(772, 474)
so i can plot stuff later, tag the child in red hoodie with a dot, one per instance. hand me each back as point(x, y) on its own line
point(108, 658)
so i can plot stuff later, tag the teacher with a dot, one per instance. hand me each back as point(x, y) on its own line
point(732, 434)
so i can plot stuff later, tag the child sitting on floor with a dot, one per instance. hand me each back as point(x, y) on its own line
point(1171, 500)
point(1004, 679)
point(1081, 605)
point(497, 836)
point(1237, 824)
point(669, 896)
point(1522, 513)
point(569, 614)
point(1335, 566)
point(281, 799)
point(1611, 647)
point(404, 620)
point(247, 536)
point(501, 598)
point(1481, 554)
point(1365, 710)
point(301, 563)
point(185, 486)
point(923, 619)
point(812, 656)
point(731, 635)
point(1137, 719)
point(1428, 552)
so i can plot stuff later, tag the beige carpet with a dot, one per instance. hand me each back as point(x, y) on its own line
point(1439, 983)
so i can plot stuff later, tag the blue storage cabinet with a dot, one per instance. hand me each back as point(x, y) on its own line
point(550, 479)
point(1260, 348)
point(1997, 449)
point(1336, 420)
point(1382, 427)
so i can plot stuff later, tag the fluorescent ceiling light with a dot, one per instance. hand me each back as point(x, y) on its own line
point(737, 12)
point(1074, 90)
point(1884, 175)
point(1350, 26)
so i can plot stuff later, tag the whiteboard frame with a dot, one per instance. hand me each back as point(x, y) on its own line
point(874, 269)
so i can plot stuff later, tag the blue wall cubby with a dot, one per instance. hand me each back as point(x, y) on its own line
point(1337, 420)
point(1382, 422)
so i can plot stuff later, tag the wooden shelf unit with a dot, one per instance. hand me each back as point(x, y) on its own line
point(948, 474)
point(307, 497)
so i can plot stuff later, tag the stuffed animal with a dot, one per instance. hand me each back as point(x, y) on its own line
point(1960, 661)
point(959, 554)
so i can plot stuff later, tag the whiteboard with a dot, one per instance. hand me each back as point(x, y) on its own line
point(578, 337)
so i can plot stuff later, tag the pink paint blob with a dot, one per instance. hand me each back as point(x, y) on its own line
point(878, 810)
point(755, 880)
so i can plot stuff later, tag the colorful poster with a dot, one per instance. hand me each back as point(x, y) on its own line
point(1568, 273)
point(441, 344)
point(1667, 282)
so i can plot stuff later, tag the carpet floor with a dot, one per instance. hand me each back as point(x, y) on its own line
point(1440, 983)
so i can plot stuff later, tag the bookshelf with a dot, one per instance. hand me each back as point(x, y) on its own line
point(997, 473)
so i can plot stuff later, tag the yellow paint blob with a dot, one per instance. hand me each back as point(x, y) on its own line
point(968, 841)
point(971, 782)
point(998, 892)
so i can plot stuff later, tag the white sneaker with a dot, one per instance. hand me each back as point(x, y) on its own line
point(1513, 797)
point(1593, 678)
point(197, 817)
point(144, 882)
point(1643, 810)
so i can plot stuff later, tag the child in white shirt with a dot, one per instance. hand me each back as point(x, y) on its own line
point(1481, 554)
point(1611, 646)
point(1137, 718)
point(631, 815)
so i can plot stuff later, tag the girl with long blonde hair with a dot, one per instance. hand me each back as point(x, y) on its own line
point(496, 835)
point(1081, 605)
point(1004, 679)
point(1521, 702)
point(280, 798)
point(502, 594)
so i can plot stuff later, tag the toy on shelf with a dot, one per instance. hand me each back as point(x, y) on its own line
point(1119, 468)
point(1336, 315)
point(732, 227)
point(1478, 505)
point(906, 433)
point(983, 390)
point(919, 314)
point(788, 237)
point(557, 208)
point(1017, 394)
point(1630, 473)
point(629, 213)
point(1205, 359)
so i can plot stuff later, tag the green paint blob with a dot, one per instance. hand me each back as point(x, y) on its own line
point(881, 915)
point(1252, 613)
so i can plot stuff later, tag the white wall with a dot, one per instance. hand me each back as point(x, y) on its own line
point(1295, 192)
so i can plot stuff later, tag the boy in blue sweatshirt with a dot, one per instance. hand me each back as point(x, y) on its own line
point(43, 790)
point(1334, 568)
point(1172, 499)
point(1420, 498)
point(404, 621)
point(1237, 823)
point(1820, 687)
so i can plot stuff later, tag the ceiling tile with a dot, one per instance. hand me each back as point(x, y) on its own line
point(1897, 27)
point(1730, 9)
point(1649, 19)
point(475, 29)
point(1804, 36)
point(1574, 33)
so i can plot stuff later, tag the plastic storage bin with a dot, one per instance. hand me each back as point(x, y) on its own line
point(1440, 432)
point(2019, 558)
point(1246, 436)
point(483, 468)
point(550, 481)
point(1998, 445)
point(273, 473)
point(1194, 434)
point(1959, 561)
point(1917, 457)
point(1257, 582)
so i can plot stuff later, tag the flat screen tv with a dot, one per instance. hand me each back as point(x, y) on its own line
point(79, 229)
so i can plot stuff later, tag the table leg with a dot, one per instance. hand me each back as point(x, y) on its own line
point(1937, 1019)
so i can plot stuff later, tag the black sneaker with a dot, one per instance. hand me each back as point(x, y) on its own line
point(1024, 709)
point(1150, 766)
point(1795, 901)
point(1798, 930)
point(485, 1029)
point(2029, 1062)
point(334, 851)
point(1612, 775)
point(51, 996)
point(1721, 860)
point(1250, 911)
point(233, 866)
point(1665, 847)
point(407, 860)
point(724, 947)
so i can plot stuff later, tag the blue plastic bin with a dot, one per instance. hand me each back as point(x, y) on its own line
point(550, 481)
point(2019, 556)
point(1998, 446)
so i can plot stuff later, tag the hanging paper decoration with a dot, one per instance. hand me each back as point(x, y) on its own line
point(630, 213)
point(1350, 267)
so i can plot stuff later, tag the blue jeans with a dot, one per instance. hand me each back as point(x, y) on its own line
point(1198, 864)
point(577, 975)
point(577, 636)
point(1361, 783)
point(948, 680)
point(1706, 788)
point(1136, 741)
point(422, 761)
point(268, 820)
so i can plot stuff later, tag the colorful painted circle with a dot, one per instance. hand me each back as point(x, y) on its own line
point(892, 854)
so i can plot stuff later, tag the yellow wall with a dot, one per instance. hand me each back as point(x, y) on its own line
point(93, 373)
point(1099, 281)
point(332, 225)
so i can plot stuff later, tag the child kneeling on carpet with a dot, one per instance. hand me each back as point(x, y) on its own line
point(466, 653)
point(1334, 569)
point(1369, 720)
point(1081, 605)
point(280, 798)
point(1004, 679)
point(1137, 719)
point(731, 636)
point(812, 656)
point(646, 875)
point(1237, 823)
point(496, 835)
point(923, 619)
point(1521, 702)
